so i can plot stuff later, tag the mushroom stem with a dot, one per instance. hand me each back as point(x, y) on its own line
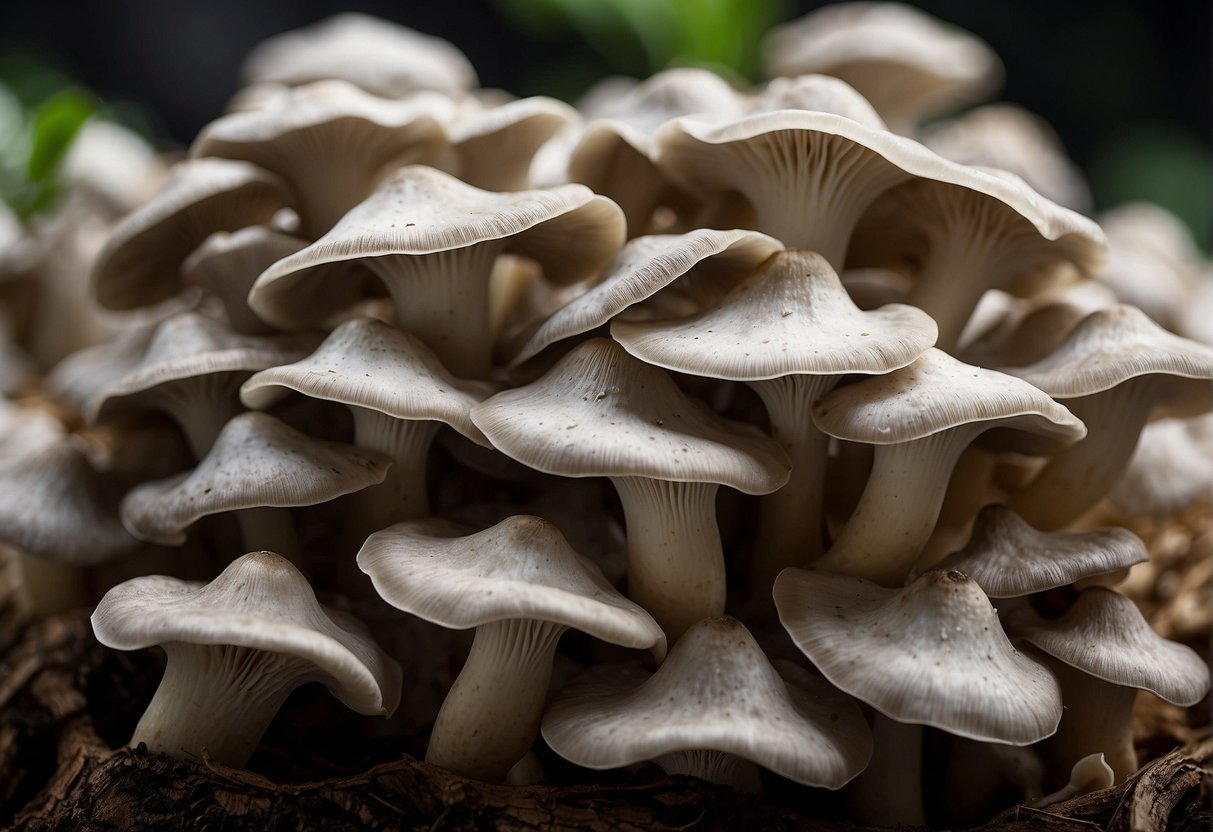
point(491, 715)
point(1098, 718)
point(269, 529)
point(1078, 477)
point(790, 525)
point(899, 507)
point(675, 558)
point(402, 494)
point(202, 406)
point(715, 767)
point(889, 791)
point(443, 299)
point(217, 699)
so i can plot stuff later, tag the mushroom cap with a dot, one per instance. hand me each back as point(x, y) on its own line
point(496, 144)
point(138, 264)
point(601, 412)
point(419, 210)
point(246, 251)
point(906, 62)
point(819, 93)
point(521, 568)
point(366, 363)
point(256, 461)
point(791, 316)
point(1008, 558)
point(1111, 346)
point(189, 346)
point(715, 691)
point(260, 601)
point(932, 653)
point(1104, 634)
point(377, 55)
point(644, 267)
point(937, 393)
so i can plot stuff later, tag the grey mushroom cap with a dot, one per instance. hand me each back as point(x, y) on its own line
point(1008, 558)
point(933, 653)
point(715, 691)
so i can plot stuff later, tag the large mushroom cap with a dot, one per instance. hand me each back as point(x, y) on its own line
point(715, 691)
point(601, 412)
point(932, 653)
point(260, 601)
point(521, 568)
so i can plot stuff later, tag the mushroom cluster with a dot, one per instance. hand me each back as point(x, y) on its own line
point(388, 333)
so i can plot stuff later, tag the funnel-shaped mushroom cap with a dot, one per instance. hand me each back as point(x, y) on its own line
point(819, 93)
point(937, 393)
point(791, 316)
point(643, 268)
point(932, 653)
point(716, 691)
point(55, 506)
point(521, 568)
point(260, 601)
point(600, 412)
point(418, 210)
point(366, 363)
point(1105, 635)
point(256, 461)
point(191, 346)
point(908, 64)
point(1111, 346)
point(138, 265)
point(1008, 558)
point(495, 145)
point(377, 55)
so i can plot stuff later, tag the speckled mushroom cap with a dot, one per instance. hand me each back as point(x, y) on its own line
point(908, 64)
point(1104, 634)
point(645, 267)
point(189, 346)
point(521, 568)
point(256, 461)
point(1008, 558)
point(932, 653)
point(377, 55)
point(139, 263)
point(791, 316)
point(260, 601)
point(331, 142)
point(1111, 346)
point(936, 393)
point(715, 691)
point(601, 412)
point(419, 210)
point(366, 363)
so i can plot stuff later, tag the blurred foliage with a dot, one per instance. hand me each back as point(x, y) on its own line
point(36, 139)
point(641, 37)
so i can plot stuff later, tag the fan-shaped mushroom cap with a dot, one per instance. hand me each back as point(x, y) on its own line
point(1008, 558)
point(1170, 470)
point(791, 316)
point(377, 55)
point(715, 692)
point(520, 568)
point(932, 653)
point(908, 64)
point(1153, 262)
point(236, 648)
point(139, 263)
point(1104, 634)
point(495, 145)
point(366, 363)
point(600, 412)
point(644, 267)
point(820, 93)
point(256, 461)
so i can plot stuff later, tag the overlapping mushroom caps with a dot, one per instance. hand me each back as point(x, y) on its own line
point(236, 649)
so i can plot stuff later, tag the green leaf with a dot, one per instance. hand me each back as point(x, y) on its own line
point(56, 123)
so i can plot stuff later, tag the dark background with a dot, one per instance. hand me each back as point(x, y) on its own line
point(1126, 84)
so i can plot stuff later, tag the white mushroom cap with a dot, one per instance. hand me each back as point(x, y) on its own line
point(820, 93)
point(377, 55)
point(256, 461)
point(716, 691)
point(237, 646)
point(1008, 558)
point(1170, 470)
point(139, 263)
point(908, 64)
point(495, 145)
point(932, 653)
